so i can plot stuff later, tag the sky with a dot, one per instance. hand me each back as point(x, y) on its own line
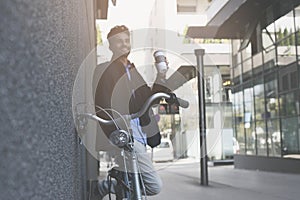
point(135, 14)
point(126, 12)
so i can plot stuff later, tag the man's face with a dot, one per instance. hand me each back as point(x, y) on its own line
point(120, 44)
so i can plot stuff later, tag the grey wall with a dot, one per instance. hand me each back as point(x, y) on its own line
point(42, 45)
point(272, 164)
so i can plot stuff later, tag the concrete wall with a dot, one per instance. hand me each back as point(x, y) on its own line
point(272, 164)
point(42, 45)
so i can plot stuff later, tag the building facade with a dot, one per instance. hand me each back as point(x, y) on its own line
point(265, 79)
point(266, 90)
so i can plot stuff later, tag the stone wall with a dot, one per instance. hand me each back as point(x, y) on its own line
point(43, 43)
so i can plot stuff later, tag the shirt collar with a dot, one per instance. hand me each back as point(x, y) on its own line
point(129, 65)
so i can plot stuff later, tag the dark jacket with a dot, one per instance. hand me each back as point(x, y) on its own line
point(114, 91)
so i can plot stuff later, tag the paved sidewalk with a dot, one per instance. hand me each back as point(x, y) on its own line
point(181, 181)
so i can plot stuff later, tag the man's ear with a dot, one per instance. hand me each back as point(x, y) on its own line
point(109, 46)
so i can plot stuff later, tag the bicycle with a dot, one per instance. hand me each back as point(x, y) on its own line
point(130, 185)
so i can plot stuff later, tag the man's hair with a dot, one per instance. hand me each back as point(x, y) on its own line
point(118, 29)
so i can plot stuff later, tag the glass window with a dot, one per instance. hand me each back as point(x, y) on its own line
point(247, 69)
point(240, 136)
point(228, 116)
point(274, 137)
point(297, 99)
point(297, 18)
point(236, 58)
point(250, 139)
point(268, 39)
point(236, 44)
point(283, 81)
point(271, 94)
point(284, 26)
point(286, 51)
point(261, 137)
point(288, 78)
point(248, 101)
point(247, 65)
point(237, 74)
point(213, 120)
point(268, 36)
point(290, 136)
point(289, 104)
point(247, 52)
point(297, 28)
point(268, 33)
point(269, 57)
point(286, 39)
point(259, 98)
point(248, 121)
point(239, 119)
point(257, 60)
point(260, 127)
point(297, 38)
point(294, 80)
point(239, 108)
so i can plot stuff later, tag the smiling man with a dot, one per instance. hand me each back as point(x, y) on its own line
point(121, 89)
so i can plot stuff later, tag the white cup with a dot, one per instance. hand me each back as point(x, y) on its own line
point(161, 63)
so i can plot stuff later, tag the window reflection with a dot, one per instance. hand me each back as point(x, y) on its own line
point(239, 119)
point(297, 18)
point(289, 104)
point(236, 58)
point(248, 120)
point(297, 28)
point(269, 57)
point(272, 106)
point(268, 36)
point(288, 78)
point(257, 60)
point(261, 137)
point(247, 69)
point(268, 33)
point(237, 74)
point(274, 137)
point(247, 52)
point(286, 51)
point(285, 25)
point(286, 43)
point(290, 144)
point(259, 98)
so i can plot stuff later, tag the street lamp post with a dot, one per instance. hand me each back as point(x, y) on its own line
point(202, 117)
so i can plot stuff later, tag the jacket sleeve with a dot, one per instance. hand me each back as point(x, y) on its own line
point(103, 101)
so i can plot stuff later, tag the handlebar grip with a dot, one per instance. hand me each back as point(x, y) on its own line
point(183, 103)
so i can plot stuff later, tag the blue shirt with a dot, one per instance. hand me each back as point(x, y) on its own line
point(137, 132)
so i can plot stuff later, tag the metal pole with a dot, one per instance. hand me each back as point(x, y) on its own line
point(202, 116)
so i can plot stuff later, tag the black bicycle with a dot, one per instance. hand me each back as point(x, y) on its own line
point(130, 184)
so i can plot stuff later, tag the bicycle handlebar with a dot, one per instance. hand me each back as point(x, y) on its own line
point(182, 103)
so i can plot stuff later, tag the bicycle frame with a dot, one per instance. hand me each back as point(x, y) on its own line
point(130, 185)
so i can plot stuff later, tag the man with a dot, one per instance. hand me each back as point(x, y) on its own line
point(122, 89)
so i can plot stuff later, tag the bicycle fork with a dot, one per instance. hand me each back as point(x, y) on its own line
point(137, 194)
point(129, 185)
